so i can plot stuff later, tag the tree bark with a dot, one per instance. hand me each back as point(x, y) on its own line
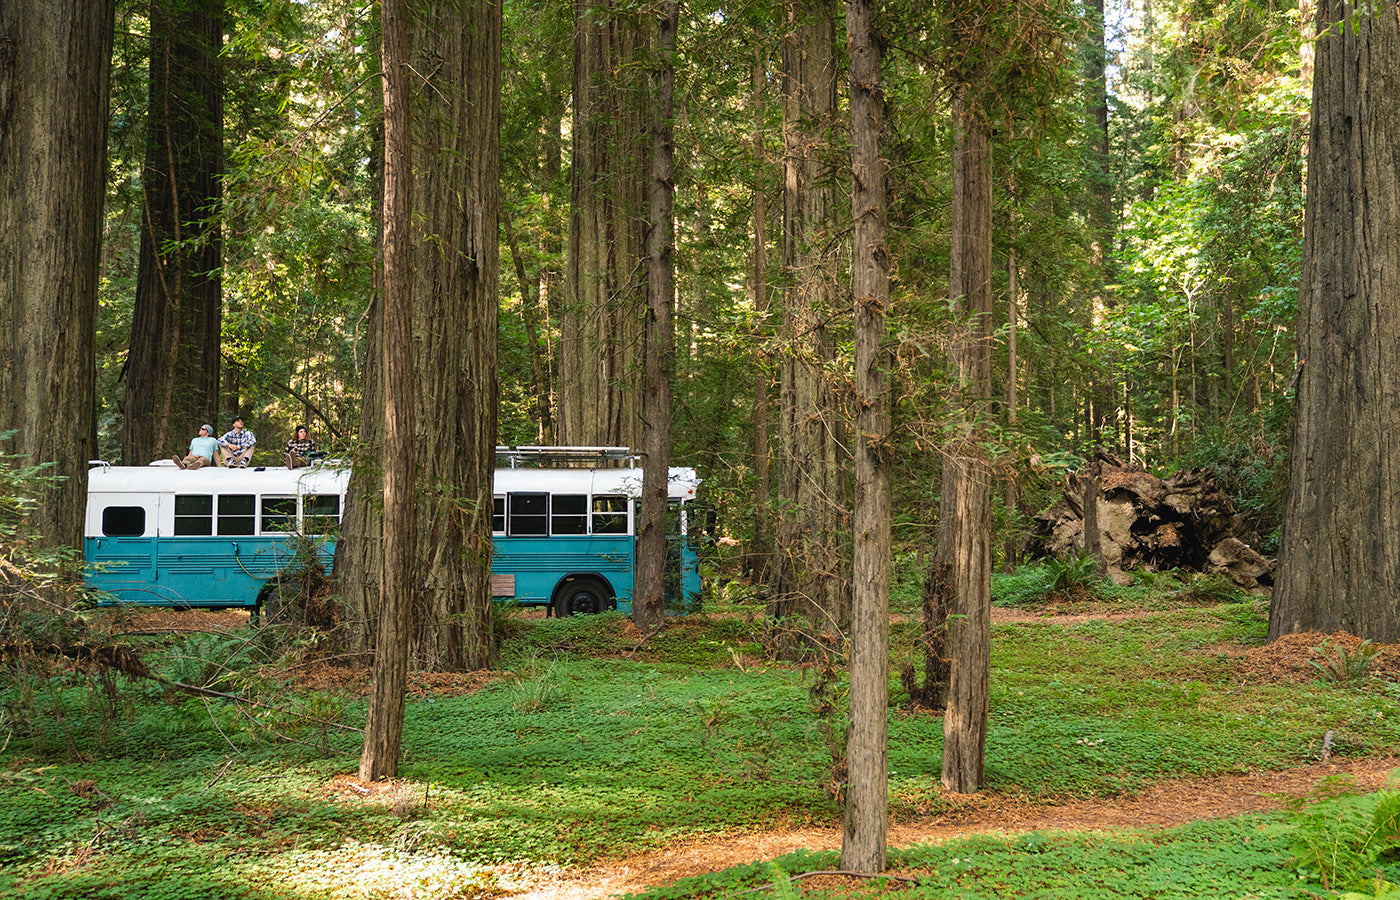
point(964, 542)
point(172, 364)
point(867, 796)
point(1338, 569)
point(456, 271)
point(605, 297)
point(384, 726)
point(759, 561)
point(811, 578)
point(648, 603)
point(55, 61)
point(452, 284)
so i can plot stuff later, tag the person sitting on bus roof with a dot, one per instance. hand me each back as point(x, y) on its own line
point(236, 446)
point(301, 449)
point(202, 450)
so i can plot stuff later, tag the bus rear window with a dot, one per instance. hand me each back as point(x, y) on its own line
point(569, 514)
point(609, 514)
point(320, 513)
point(194, 514)
point(237, 514)
point(529, 514)
point(123, 521)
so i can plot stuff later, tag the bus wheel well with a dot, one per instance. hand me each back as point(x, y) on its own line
point(583, 594)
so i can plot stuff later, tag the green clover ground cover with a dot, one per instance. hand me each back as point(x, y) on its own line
point(591, 753)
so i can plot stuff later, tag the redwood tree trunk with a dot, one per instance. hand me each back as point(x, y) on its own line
point(55, 59)
point(809, 578)
point(456, 270)
point(759, 562)
point(451, 282)
point(648, 602)
point(964, 542)
point(867, 795)
point(605, 296)
point(384, 726)
point(172, 365)
point(1338, 569)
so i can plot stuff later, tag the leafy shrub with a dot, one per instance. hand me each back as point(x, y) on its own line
point(1209, 588)
point(1037, 583)
point(1344, 666)
point(1340, 839)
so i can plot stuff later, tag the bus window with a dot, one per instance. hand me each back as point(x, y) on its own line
point(529, 514)
point(498, 515)
point(236, 514)
point(123, 521)
point(569, 514)
point(320, 513)
point(609, 514)
point(279, 514)
point(194, 514)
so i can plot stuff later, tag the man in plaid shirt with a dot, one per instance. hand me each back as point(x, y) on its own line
point(236, 446)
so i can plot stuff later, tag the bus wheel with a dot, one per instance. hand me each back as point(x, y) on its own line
point(583, 596)
point(271, 608)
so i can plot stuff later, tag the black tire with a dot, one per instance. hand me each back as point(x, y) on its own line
point(582, 596)
point(271, 608)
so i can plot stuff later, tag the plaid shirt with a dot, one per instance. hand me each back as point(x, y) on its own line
point(301, 448)
point(238, 440)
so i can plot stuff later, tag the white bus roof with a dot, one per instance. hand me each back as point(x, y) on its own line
point(681, 486)
point(165, 477)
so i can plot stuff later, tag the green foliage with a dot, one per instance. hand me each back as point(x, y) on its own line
point(539, 684)
point(1072, 577)
point(601, 747)
point(1344, 666)
point(1340, 840)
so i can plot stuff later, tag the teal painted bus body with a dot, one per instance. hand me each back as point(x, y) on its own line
point(207, 572)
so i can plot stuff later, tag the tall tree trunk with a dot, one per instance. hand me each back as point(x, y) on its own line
point(1338, 569)
point(809, 578)
point(384, 725)
point(867, 796)
point(452, 275)
point(55, 62)
point(600, 327)
point(172, 365)
point(648, 604)
point(456, 272)
point(759, 564)
point(964, 543)
point(1102, 397)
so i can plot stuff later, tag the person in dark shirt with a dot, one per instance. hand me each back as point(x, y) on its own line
point(300, 449)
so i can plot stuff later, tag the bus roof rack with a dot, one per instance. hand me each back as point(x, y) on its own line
point(515, 457)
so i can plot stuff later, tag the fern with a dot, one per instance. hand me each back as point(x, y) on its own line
point(1341, 839)
point(1343, 666)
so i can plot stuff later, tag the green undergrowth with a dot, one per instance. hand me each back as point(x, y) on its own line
point(601, 741)
point(1247, 856)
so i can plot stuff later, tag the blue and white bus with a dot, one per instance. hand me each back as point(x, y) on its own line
point(564, 530)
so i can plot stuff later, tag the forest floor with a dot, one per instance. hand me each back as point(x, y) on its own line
point(1164, 805)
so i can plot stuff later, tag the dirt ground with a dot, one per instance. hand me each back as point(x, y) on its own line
point(1165, 804)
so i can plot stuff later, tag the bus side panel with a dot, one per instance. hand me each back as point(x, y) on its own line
point(187, 571)
point(538, 564)
point(126, 567)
